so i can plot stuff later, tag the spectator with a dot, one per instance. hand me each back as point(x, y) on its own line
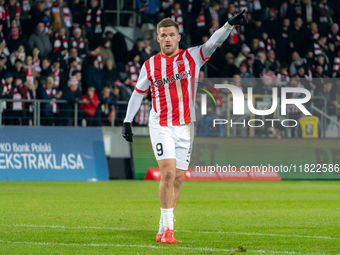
point(181, 18)
point(321, 48)
point(327, 70)
point(265, 43)
point(109, 105)
point(48, 110)
point(5, 20)
point(61, 15)
point(229, 68)
point(105, 50)
point(142, 116)
point(125, 90)
point(304, 79)
point(320, 78)
point(31, 74)
point(3, 47)
point(272, 24)
point(333, 37)
point(166, 6)
point(46, 69)
point(60, 45)
point(110, 74)
point(74, 54)
point(250, 63)
point(15, 40)
point(78, 42)
point(71, 94)
point(296, 61)
point(77, 10)
point(254, 30)
point(272, 61)
point(79, 77)
point(92, 76)
point(149, 10)
point(31, 95)
point(314, 31)
point(283, 75)
point(89, 105)
point(300, 37)
point(260, 64)
point(217, 60)
point(36, 60)
point(231, 46)
point(6, 92)
point(147, 48)
point(255, 47)
point(237, 81)
point(247, 79)
point(18, 54)
point(323, 16)
point(96, 53)
point(134, 68)
point(242, 55)
point(200, 27)
point(138, 49)
point(18, 70)
point(309, 61)
point(40, 40)
point(3, 66)
point(37, 13)
point(306, 11)
point(14, 10)
point(17, 111)
point(118, 47)
point(96, 19)
point(73, 65)
point(57, 74)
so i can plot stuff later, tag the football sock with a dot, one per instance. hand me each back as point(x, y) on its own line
point(168, 218)
point(161, 228)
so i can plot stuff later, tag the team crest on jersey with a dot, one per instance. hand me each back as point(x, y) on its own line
point(180, 62)
point(175, 77)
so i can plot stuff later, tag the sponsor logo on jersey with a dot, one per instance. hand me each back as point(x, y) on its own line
point(172, 78)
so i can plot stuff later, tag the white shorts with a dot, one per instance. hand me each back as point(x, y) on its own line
point(173, 142)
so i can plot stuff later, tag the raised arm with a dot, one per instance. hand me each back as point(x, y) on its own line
point(222, 34)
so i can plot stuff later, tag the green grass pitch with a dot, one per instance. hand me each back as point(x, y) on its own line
point(121, 217)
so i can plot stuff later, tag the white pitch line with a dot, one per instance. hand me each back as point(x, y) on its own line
point(187, 231)
point(154, 247)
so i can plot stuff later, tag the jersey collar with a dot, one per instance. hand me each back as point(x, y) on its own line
point(163, 56)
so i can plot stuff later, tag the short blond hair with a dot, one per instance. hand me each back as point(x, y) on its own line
point(167, 22)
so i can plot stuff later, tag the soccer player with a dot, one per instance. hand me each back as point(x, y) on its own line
point(170, 75)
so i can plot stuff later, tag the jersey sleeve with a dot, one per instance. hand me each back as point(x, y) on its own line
point(197, 54)
point(143, 82)
point(202, 54)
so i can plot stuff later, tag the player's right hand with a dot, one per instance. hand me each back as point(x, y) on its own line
point(127, 132)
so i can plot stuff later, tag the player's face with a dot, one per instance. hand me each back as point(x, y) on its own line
point(168, 39)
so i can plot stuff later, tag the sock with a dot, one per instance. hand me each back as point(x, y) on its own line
point(168, 218)
point(161, 228)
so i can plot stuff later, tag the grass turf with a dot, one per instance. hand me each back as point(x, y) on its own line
point(121, 217)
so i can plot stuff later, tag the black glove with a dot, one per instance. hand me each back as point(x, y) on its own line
point(127, 132)
point(238, 19)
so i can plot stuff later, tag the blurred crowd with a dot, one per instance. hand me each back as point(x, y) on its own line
point(68, 50)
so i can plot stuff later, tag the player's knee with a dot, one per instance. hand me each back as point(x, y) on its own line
point(168, 175)
point(178, 181)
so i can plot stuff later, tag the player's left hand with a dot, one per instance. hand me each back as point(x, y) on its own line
point(238, 19)
point(127, 132)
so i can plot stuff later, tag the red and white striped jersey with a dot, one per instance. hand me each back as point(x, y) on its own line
point(172, 85)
